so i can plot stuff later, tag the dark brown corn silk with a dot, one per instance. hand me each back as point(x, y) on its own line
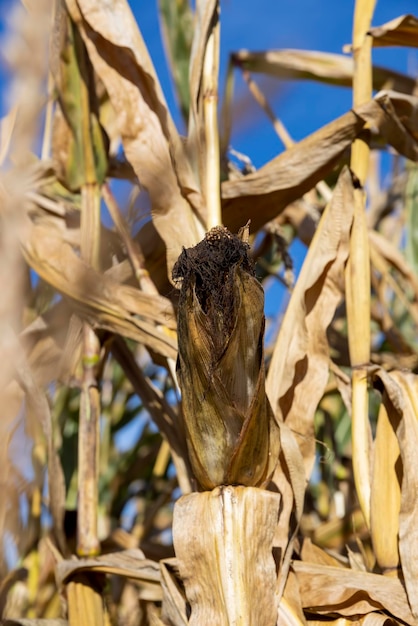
point(231, 433)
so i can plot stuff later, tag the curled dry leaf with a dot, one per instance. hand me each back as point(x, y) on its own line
point(127, 563)
point(334, 69)
point(174, 609)
point(402, 31)
point(299, 368)
point(152, 145)
point(231, 434)
point(344, 592)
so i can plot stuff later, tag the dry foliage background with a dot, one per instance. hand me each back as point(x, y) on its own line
point(93, 441)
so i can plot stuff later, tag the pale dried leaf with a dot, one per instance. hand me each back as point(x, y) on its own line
point(338, 591)
point(394, 257)
point(334, 69)
point(289, 479)
point(299, 368)
point(151, 143)
point(127, 563)
point(7, 124)
point(396, 122)
point(311, 553)
point(174, 609)
point(44, 341)
point(168, 421)
point(96, 298)
point(37, 408)
point(402, 31)
point(290, 607)
point(378, 619)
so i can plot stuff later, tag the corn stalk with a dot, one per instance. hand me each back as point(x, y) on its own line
point(358, 266)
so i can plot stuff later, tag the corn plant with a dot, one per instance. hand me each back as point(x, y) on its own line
point(165, 460)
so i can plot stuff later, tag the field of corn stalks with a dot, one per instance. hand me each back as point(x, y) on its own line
point(160, 462)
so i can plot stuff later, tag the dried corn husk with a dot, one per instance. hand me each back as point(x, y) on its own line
point(231, 434)
point(226, 563)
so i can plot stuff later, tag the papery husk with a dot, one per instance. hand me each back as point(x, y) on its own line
point(225, 562)
point(230, 429)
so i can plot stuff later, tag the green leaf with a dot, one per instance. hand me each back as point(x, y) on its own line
point(411, 206)
point(79, 143)
point(177, 29)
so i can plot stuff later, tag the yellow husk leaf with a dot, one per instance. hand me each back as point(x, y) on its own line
point(386, 494)
point(401, 402)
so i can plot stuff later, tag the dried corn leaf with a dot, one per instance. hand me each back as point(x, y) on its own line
point(334, 69)
point(394, 258)
point(95, 297)
point(378, 619)
point(37, 408)
point(44, 341)
point(299, 368)
point(7, 124)
point(174, 609)
point(337, 591)
point(402, 31)
point(227, 565)
point(230, 432)
point(167, 420)
point(127, 563)
point(14, 484)
point(151, 143)
point(290, 607)
point(264, 194)
point(401, 402)
point(397, 122)
point(404, 110)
